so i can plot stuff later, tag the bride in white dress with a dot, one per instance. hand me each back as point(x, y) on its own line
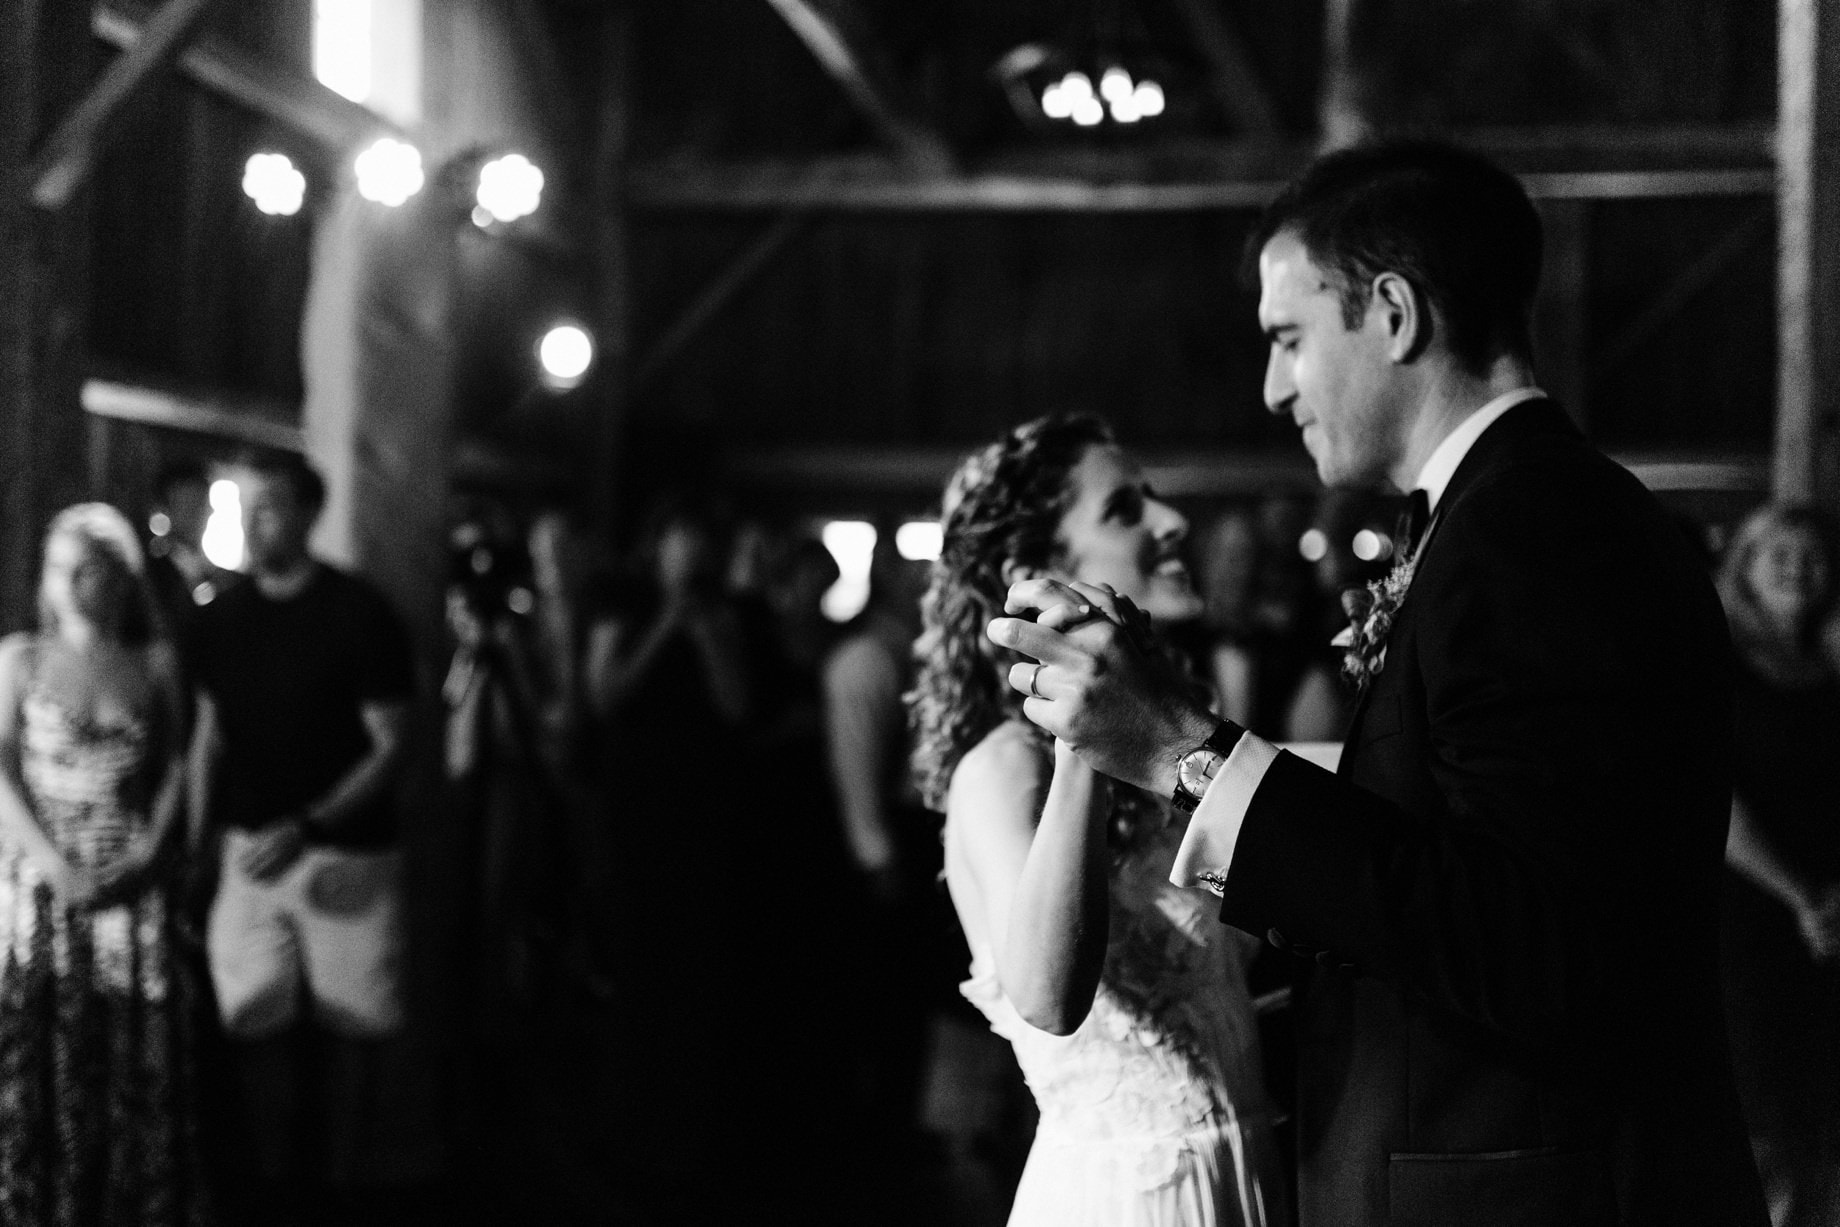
point(1124, 999)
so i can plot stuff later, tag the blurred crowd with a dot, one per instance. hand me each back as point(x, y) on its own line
point(684, 794)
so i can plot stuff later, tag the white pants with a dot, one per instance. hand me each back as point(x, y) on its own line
point(331, 922)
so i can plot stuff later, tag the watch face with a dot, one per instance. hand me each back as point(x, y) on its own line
point(1196, 769)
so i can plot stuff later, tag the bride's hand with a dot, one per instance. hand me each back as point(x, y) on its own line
point(75, 886)
point(127, 875)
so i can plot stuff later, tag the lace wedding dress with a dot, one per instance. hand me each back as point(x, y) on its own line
point(1152, 1113)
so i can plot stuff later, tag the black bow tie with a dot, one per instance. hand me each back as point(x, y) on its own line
point(1412, 522)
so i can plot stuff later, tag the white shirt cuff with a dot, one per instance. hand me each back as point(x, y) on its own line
point(1213, 829)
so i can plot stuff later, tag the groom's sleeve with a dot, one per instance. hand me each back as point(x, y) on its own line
point(1213, 830)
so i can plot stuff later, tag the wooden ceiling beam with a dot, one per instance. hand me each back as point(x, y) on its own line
point(737, 276)
point(1090, 184)
point(1231, 74)
point(70, 152)
point(806, 188)
point(1678, 293)
point(840, 40)
point(298, 102)
point(233, 419)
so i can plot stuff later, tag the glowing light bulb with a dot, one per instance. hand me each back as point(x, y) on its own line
point(1115, 84)
point(919, 540)
point(223, 532)
point(1088, 111)
point(389, 172)
point(1078, 85)
point(1148, 97)
point(852, 544)
point(1055, 103)
point(1124, 110)
point(271, 181)
point(1313, 545)
point(566, 352)
point(510, 187)
point(1366, 545)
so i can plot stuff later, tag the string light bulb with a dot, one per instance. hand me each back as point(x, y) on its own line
point(1117, 98)
point(565, 352)
point(510, 187)
point(389, 172)
point(273, 183)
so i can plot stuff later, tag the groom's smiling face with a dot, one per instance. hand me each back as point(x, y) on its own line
point(1337, 383)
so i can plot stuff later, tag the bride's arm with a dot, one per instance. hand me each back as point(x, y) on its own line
point(1042, 885)
point(129, 873)
point(16, 817)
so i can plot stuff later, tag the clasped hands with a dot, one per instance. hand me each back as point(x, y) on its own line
point(1094, 681)
point(117, 880)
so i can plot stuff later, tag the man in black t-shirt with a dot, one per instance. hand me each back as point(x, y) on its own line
point(306, 675)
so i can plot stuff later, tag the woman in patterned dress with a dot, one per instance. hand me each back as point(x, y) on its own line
point(96, 1101)
point(1125, 1002)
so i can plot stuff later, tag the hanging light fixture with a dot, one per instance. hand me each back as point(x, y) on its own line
point(1102, 74)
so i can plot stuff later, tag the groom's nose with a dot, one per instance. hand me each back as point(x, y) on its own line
point(1280, 388)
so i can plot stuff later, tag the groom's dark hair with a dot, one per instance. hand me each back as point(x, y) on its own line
point(1456, 226)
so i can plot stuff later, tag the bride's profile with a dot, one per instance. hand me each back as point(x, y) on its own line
point(1124, 1000)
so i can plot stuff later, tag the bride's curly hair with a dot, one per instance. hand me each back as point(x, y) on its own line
point(1004, 504)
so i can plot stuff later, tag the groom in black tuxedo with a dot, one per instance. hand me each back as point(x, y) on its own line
point(1504, 903)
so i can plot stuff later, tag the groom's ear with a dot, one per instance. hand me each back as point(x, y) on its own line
point(1406, 314)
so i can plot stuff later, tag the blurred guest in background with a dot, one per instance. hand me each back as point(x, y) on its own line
point(182, 577)
point(900, 954)
point(557, 567)
point(1264, 647)
point(671, 642)
point(307, 677)
point(510, 748)
point(1226, 558)
point(1782, 903)
point(783, 827)
point(1129, 1016)
point(666, 676)
point(98, 1124)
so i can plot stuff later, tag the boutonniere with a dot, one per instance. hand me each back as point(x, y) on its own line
point(1371, 611)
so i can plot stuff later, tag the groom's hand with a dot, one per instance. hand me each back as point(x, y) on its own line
point(1098, 689)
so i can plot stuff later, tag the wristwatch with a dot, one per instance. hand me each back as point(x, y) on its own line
point(1197, 769)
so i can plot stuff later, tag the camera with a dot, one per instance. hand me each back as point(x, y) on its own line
point(493, 577)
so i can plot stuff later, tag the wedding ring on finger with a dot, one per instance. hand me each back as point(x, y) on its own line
point(1033, 679)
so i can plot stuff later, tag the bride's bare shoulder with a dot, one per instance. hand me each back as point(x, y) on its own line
point(1009, 762)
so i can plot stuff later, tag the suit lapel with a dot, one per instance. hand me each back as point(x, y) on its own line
point(1526, 420)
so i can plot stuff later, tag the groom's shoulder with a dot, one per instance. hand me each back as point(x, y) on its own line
point(1561, 510)
point(1558, 475)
